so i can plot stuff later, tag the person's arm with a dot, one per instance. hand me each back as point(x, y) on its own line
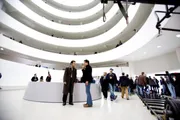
point(119, 81)
point(65, 75)
point(115, 78)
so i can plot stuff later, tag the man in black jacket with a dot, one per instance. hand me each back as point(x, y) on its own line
point(87, 78)
point(112, 79)
point(124, 83)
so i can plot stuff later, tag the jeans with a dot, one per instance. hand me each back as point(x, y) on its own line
point(88, 93)
point(141, 90)
point(112, 89)
point(172, 90)
point(164, 89)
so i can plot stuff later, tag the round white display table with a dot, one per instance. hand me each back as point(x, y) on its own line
point(52, 92)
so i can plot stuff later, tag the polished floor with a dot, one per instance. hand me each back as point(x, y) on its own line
point(13, 107)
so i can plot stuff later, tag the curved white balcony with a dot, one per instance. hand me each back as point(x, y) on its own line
point(145, 34)
point(63, 7)
point(21, 28)
point(74, 2)
point(60, 27)
point(62, 20)
point(64, 14)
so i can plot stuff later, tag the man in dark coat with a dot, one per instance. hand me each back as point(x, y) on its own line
point(104, 85)
point(87, 78)
point(70, 77)
point(34, 78)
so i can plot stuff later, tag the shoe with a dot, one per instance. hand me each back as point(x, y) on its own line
point(112, 99)
point(64, 104)
point(127, 98)
point(122, 97)
point(71, 104)
point(86, 105)
point(115, 97)
point(105, 98)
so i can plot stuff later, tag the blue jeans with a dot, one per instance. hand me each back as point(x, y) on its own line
point(88, 93)
point(172, 90)
point(164, 89)
point(140, 90)
point(112, 89)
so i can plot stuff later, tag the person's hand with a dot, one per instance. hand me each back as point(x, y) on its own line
point(65, 83)
point(86, 82)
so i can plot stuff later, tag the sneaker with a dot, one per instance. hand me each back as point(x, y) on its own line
point(127, 98)
point(64, 104)
point(115, 97)
point(86, 105)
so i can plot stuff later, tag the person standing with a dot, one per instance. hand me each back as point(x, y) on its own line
point(170, 85)
point(48, 78)
point(124, 83)
point(136, 83)
point(104, 85)
point(142, 83)
point(87, 78)
point(34, 78)
point(70, 77)
point(112, 79)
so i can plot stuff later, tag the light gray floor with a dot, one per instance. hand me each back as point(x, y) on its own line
point(13, 107)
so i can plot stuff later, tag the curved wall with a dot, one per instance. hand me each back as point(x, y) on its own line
point(17, 74)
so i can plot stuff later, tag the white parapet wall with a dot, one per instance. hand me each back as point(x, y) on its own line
point(17, 74)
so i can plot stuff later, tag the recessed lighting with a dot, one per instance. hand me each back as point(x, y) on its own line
point(158, 46)
point(178, 35)
point(2, 48)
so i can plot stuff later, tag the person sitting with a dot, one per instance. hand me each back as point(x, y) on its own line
point(48, 78)
point(41, 79)
point(34, 78)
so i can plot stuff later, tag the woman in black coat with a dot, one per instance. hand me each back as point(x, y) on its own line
point(104, 85)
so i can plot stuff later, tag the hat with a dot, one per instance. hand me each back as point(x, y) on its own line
point(111, 69)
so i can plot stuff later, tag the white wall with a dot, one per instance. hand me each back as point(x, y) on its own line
point(16, 74)
point(157, 64)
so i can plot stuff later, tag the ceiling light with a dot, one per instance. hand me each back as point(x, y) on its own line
point(178, 35)
point(145, 53)
point(2, 48)
point(158, 46)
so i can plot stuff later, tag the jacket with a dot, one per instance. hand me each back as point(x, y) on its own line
point(112, 79)
point(34, 79)
point(87, 74)
point(70, 77)
point(124, 81)
point(142, 80)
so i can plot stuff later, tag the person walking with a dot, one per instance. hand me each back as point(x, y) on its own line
point(124, 83)
point(130, 88)
point(137, 85)
point(70, 77)
point(87, 78)
point(104, 85)
point(163, 83)
point(112, 79)
point(142, 83)
point(170, 85)
point(34, 78)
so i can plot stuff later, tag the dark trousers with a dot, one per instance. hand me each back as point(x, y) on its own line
point(105, 93)
point(70, 95)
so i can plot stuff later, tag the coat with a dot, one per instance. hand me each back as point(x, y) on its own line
point(124, 81)
point(142, 80)
point(104, 83)
point(112, 79)
point(67, 78)
point(87, 74)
